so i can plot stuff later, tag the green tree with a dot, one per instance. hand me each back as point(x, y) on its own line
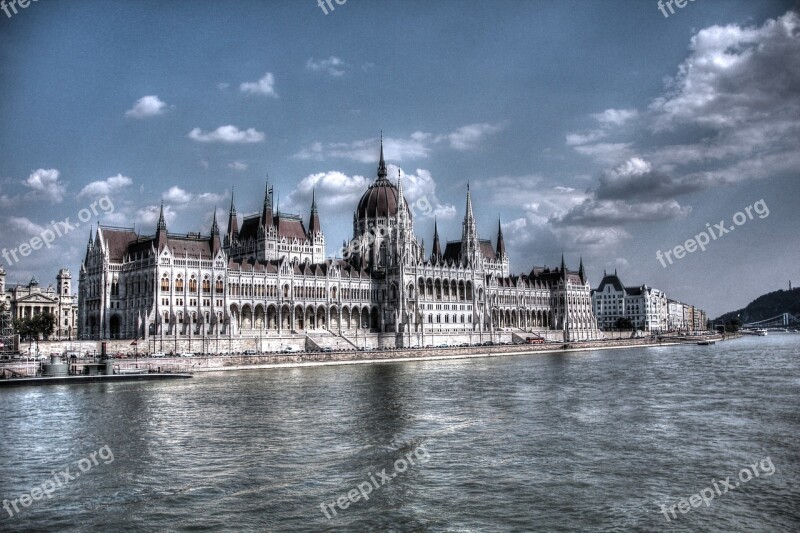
point(623, 323)
point(32, 328)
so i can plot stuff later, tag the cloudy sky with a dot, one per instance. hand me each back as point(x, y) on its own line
point(601, 129)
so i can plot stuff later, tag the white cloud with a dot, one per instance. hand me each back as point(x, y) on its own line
point(147, 106)
point(368, 150)
point(469, 137)
point(238, 165)
point(606, 154)
point(609, 213)
point(107, 186)
point(24, 225)
point(44, 185)
point(227, 134)
point(416, 146)
point(576, 139)
point(223, 85)
point(179, 196)
point(515, 225)
point(335, 191)
point(333, 65)
point(265, 86)
point(148, 216)
point(615, 117)
point(419, 191)
point(735, 74)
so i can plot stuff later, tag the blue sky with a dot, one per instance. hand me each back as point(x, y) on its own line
point(600, 129)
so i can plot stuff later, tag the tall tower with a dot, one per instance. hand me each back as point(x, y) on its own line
point(3, 284)
point(470, 247)
point(64, 283)
point(436, 253)
point(233, 224)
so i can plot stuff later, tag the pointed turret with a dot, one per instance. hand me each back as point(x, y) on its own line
point(582, 272)
point(162, 224)
point(501, 243)
point(563, 267)
point(314, 225)
point(215, 241)
point(436, 252)
point(161, 229)
point(469, 234)
point(233, 222)
point(266, 212)
point(382, 172)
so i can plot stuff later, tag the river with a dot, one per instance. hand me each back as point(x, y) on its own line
point(589, 441)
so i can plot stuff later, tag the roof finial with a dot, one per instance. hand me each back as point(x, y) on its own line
point(214, 226)
point(382, 173)
point(162, 224)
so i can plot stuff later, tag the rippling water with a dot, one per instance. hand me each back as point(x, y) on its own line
point(592, 441)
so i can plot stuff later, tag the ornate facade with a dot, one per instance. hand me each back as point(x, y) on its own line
point(269, 278)
point(26, 301)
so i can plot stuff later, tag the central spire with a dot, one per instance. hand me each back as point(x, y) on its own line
point(382, 172)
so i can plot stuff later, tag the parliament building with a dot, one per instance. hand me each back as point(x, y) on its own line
point(266, 283)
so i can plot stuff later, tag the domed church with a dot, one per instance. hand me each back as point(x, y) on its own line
point(266, 284)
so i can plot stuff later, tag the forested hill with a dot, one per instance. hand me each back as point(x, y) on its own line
point(767, 306)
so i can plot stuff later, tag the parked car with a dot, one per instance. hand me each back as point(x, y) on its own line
point(186, 354)
point(158, 354)
point(250, 352)
point(327, 349)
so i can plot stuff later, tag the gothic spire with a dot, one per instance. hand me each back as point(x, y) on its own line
point(436, 252)
point(162, 224)
point(214, 225)
point(382, 172)
point(469, 234)
point(582, 272)
point(314, 225)
point(469, 204)
point(501, 243)
point(233, 223)
point(266, 212)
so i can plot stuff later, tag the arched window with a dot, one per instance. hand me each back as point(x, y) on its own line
point(179, 284)
point(206, 286)
point(218, 287)
point(192, 285)
point(165, 283)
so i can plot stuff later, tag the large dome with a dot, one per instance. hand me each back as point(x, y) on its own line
point(380, 200)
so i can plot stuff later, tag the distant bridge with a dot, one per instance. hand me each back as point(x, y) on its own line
point(779, 321)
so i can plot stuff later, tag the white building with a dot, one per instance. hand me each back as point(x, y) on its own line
point(270, 278)
point(645, 307)
point(26, 301)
